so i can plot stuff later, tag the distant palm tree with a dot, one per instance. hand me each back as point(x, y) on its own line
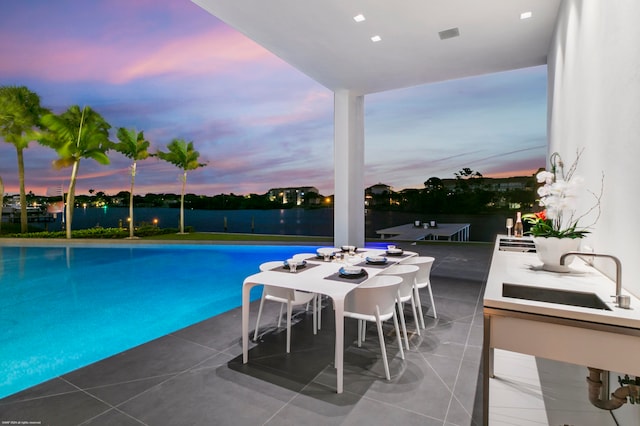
point(182, 155)
point(76, 134)
point(132, 145)
point(20, 113)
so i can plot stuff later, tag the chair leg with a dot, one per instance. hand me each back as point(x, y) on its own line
point(359, 333)
point(364, 330)
point(433, 305)
point(398, 335)
point(319, 303)
point(383, 349)
point(415, 315)
point(416, 291)
point(315, 314)
point(280, 316)
point(255, 333)
point(289, 309)
point(404, 324)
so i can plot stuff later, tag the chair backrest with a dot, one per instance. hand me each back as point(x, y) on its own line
point(379, 290)
point(408, 275)
point(424, 263)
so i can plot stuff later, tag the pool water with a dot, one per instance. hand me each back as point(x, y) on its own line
point(62, 308)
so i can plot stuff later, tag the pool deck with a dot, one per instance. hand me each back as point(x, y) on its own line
point(195, 376)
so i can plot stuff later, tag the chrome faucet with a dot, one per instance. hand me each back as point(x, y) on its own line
point(621, 300)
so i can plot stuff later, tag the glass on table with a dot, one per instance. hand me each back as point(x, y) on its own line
point(509, 225)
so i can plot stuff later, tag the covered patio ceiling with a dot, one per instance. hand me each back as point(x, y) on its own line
point(322, 39)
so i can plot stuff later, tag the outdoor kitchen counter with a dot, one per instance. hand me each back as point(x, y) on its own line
point(598, 338)
point(524, 268)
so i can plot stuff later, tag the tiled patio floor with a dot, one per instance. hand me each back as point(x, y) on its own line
point(196, 377)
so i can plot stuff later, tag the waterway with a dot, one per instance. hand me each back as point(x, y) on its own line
point(314, 222)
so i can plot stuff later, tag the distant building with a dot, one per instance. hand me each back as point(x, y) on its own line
point(299, 196)
point(378, 189)
point(378, 194)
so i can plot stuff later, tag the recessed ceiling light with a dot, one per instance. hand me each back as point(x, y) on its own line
point(376, 38)
point(450, 33)
point(525, 15)
point(359, 18)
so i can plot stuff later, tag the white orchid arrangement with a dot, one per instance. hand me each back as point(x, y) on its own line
point(558, 195)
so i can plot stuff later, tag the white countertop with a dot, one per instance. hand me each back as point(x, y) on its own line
point(524, 269)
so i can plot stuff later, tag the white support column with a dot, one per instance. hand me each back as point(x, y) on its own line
point(348, 146)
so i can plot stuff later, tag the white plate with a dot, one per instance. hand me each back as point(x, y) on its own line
point(377, 259)
point(297, 262)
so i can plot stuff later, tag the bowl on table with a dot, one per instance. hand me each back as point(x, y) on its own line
point(376, 260)
point(396, 251)
point(351, 271)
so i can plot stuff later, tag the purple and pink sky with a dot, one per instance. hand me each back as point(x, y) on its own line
point(171, 69)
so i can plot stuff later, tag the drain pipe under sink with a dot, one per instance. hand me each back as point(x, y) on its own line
point(618, 398)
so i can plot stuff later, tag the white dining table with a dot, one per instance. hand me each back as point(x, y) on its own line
point(314, 279)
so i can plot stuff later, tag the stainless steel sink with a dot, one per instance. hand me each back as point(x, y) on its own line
point(549, 295)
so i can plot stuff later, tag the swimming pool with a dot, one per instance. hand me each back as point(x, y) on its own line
point(64, 307)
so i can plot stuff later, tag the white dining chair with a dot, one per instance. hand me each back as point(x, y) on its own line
point(284, 296)
point(318, 298)
point(408, 275)
point(375, 301)
point(423, 280)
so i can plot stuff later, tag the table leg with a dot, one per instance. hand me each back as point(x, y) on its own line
point(246, 292)
point(338, 305)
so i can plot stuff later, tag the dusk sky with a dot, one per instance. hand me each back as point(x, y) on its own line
point(171, 69)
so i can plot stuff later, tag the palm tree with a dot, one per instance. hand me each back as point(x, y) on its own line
point(132, 145)
point(182, 155)
point(76, 134)
point(20, 113)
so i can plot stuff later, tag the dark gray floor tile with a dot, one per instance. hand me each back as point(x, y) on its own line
point(119, 392)
point(431, 344)
point(206, 397)
point(419, 389)
point(447, 368)
point(65, 409)
point(223, 332)
point(50, 387)
point(382, 414)
point(456, 289)
point(467, 384)
point(449, 332)
point(315, 406)
point(454, 310)
point(113, 418)
point(159, 357)
point(476, 335)
point(460, 416)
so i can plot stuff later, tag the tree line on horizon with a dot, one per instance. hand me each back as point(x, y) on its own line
point(75, 134)
point(468, 193)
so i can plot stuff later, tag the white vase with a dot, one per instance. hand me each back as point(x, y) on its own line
point(550, 249)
